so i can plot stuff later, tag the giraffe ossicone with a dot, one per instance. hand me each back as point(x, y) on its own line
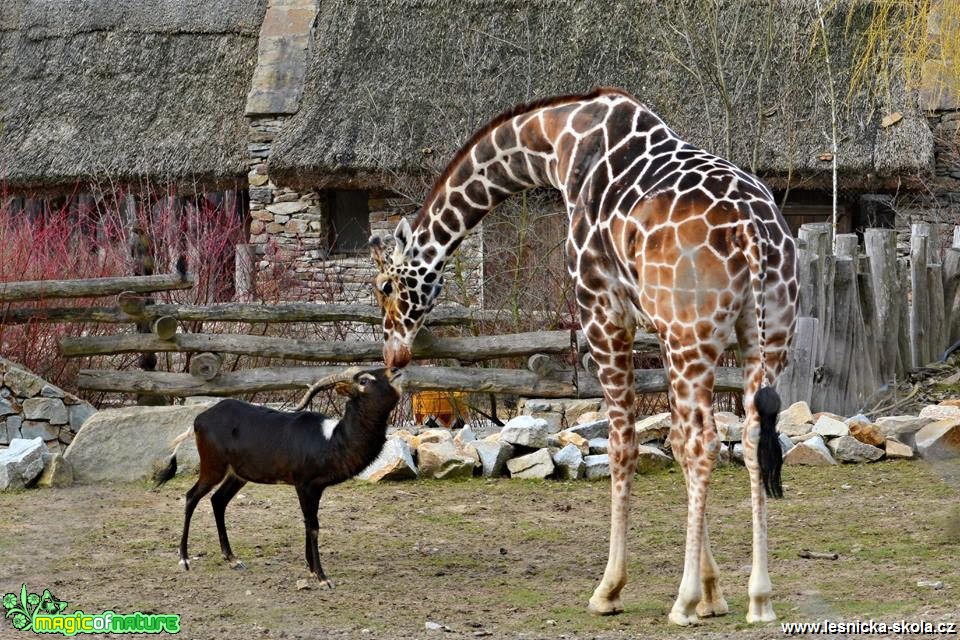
point(662, 233)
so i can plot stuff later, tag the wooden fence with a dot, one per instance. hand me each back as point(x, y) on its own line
point(867, 316)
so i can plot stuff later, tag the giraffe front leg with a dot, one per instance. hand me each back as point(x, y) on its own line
point(616, 376)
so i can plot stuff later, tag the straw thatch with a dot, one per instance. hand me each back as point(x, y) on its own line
point(395, 86)
point(124, 90)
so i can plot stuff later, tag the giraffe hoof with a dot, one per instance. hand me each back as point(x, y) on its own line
point(605, 606)
point(716, 607)
point(679, 618)
point(760, 610)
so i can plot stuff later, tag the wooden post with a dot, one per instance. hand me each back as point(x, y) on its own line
point(818, 237)
point(881, 249)
point(206, 366)
point(904, 341)
point(951, 285)
point(796, 381)
point(846, 245)
point(919, 301)
point(937, 312)
point(244, 274)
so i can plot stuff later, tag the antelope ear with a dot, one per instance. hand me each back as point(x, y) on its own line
point(403, 236)
point(345, 388)
point(377, 252)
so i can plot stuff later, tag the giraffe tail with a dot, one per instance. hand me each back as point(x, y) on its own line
point(766, 400)
point(769, 454)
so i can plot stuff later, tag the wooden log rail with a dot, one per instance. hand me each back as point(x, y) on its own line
point(91, 287)
point(469, 349)
point(251, 312)
point(415, 378)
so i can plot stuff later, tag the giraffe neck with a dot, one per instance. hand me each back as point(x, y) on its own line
point(560, 144)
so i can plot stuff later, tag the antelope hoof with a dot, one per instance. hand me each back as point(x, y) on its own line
point(325, 583)
point(185, 564)
point(238, 565)
point(600, 606)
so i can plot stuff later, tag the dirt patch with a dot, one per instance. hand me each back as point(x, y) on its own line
point(487, 558)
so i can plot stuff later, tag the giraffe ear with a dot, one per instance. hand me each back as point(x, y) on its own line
point(403, 235)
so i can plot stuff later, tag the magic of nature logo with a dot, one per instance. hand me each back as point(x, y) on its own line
point(44, 613)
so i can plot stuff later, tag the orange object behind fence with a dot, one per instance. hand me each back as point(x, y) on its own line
point(444, 406)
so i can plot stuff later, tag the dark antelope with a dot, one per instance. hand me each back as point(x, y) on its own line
point(239, 442)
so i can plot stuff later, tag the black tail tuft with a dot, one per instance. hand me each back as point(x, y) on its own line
point(768, 450)
point(165, 473)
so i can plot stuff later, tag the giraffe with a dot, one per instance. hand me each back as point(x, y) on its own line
point(661, 233)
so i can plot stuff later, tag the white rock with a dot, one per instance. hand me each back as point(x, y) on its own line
point(536, 465)
point(939, 440)
point(569, 463)
point(651, 428)
point(464, 436)
point(526, 431)
point(737, 453)
point(896, 449)
point(395, 462)
point(596, 467)
point(444, 460)
point(810, 452)
point(849, 449)
point(830, 428)
point(21, 463)
point(728, 425)
point(795, 420)
point(127, 444)
point(493, 456)
point(786, 443)
point(940, 412)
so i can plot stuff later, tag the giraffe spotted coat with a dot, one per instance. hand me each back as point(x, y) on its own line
point(661, 233)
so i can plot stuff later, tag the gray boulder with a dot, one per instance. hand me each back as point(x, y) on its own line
point(849, 449)
point(596, 467)
point(30, 429)
point(22, 383)
point(598, 445)
point(536, 465)
point(896, 449)
point(21, 463)
point(526, 431)
point(395, 462)
point(590, 430)
point(569, 463)
point(902, 428)
point(655, 427)
point(57, 473)
point(128, 444)
point(464, 436)
point(444, 460)
point(493, 456)
point(6, 407)
point(77, 414)
point(50, 409)
point(786, 443)
point(813, 452)
point(10, 429)
point(651, 458)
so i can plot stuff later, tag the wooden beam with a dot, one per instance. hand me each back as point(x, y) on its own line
point(503, 381)
point(91, 287)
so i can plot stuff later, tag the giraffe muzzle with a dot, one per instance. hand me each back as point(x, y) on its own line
point(396, 354)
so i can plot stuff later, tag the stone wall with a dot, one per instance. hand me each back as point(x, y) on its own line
point(30, 408)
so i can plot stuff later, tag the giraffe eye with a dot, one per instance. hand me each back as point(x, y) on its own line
point(386, 288)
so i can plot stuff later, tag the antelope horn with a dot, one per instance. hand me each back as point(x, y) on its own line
point(325, 383)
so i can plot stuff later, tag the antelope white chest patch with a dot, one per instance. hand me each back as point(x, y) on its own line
point(328, 426)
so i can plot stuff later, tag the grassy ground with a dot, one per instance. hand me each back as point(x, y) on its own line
point(499, 558)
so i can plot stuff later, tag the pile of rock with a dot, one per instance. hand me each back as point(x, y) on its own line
point(531, 447)
point(36, 419)
point(825, 438)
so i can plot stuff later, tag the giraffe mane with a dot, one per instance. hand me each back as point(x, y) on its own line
point(512, 112)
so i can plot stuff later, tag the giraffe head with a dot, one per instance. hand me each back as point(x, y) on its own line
point(407, 286)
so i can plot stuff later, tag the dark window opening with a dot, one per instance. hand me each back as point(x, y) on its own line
point(349, 221)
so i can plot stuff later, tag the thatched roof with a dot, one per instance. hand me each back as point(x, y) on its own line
point(124, 90)
point(395, 86)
